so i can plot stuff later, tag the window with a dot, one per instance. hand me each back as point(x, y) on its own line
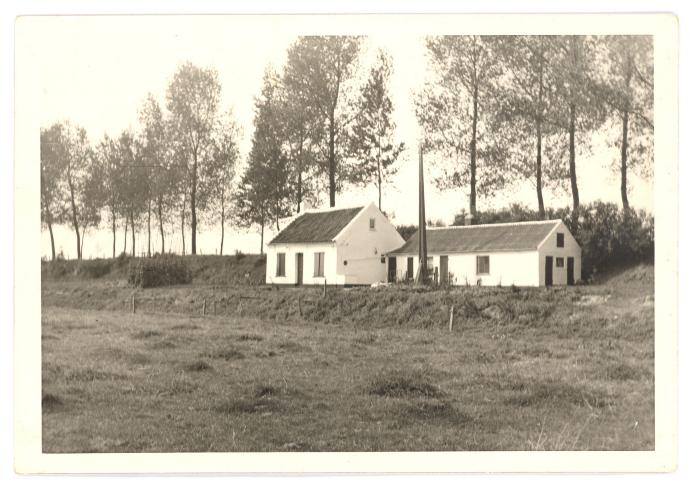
point(318, 264)
point(371, 223)
point(409, 269)
point(560, 262)
point(560, 240)
point(280, 264)
point(482, 265)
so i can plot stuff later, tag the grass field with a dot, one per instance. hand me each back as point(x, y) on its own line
point(559, 369)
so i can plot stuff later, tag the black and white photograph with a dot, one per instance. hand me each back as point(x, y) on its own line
point(275, 235)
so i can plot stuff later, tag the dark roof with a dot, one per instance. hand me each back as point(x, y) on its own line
point(314, 227)
point(521, 236)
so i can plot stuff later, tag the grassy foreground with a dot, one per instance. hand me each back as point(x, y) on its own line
point(573, 371)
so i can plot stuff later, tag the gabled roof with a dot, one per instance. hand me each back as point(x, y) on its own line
point(497, 237)
point(316, 226)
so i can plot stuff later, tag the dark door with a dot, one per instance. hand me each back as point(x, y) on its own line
point(444, 270)
point(409, 269)
point(392, 270)
point(569, 270)
point(548, 270)
point(300, 268)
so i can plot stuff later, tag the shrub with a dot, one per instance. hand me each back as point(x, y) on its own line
point(159, 271)
point(94, 268)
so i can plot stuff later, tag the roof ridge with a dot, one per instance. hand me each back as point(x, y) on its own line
point(329, 209)
point(484, 225)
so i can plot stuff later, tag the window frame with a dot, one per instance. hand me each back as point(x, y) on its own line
point(557, 262)
point(319, 264)
point(560, 235)
point(283, 273)
point(488, 265)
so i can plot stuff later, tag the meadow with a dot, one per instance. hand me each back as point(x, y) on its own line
point(355, 370)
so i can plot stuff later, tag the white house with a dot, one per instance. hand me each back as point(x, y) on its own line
point(524, 254)
point(339, 246)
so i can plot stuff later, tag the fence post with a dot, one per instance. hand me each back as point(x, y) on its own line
point(452, 311)
point(301, 314)
point(324, 286)
point(204, 307)
point(133, 303)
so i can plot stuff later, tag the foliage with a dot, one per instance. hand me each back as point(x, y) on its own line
point(319, 72)
point(456, 113)
point(371, 140)
point(164, 270)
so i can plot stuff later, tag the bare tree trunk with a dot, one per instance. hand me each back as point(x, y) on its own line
point(74, 217)
point(53, 245)
point(299, 172)
point(148, 225)
point(193, 205)
point(572, 156)
point(160, 224)
point(114, 234)
point(379, 171)
point(82, 241)
point(623, 163)
point(223, 218)
point(182, 222)
point(133, 234)
point(262, 234)
point(331, 162)
point(126, 228)
point(472, 153)
point(538, 170)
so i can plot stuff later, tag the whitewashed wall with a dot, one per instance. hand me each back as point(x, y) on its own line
point(357, 245)
point(505, 268)
point(291, 250)
point(362, 248)
point(570, 249)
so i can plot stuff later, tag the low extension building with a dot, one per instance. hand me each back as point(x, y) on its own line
point(338, 246)
point(540, 253)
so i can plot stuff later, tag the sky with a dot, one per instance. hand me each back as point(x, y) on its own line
point(97, 71)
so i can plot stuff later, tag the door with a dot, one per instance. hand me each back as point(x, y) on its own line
point(569, 270)
point(409, 269)
point(444, 270)
point(548, 260)
point(392, 270)
point(300, 268)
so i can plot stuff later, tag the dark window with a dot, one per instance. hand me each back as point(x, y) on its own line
point(371, 223)
point(345, 263)
point(560, 262)
point(482, 264)
point(409, 269)
point(318, 264)
point(560, 240)
point(280, 264)
point(383, 259)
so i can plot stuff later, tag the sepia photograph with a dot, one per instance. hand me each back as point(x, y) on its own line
point(270, 235)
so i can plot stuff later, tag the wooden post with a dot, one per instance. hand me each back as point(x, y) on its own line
point(301, 313)
point(324, 287)
point(204, 307)
point(214, 307)
point(133, 303)
point(452, 311)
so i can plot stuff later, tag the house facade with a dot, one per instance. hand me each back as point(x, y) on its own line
point(340, 246)
point(541, 253)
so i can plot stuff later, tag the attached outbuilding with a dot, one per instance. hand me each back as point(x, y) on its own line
point(540, 253)
point(339, 246)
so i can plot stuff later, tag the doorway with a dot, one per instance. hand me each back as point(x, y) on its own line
point(392, 270)
point(569, 270)
point(300, 269)
point(444, 270)
point(548, 263)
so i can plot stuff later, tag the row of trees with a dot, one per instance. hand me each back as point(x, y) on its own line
point(181, 161)
point(504, 109)
point(495, 111)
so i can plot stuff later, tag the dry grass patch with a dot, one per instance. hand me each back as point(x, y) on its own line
point(198, 366)
point(399, 384)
